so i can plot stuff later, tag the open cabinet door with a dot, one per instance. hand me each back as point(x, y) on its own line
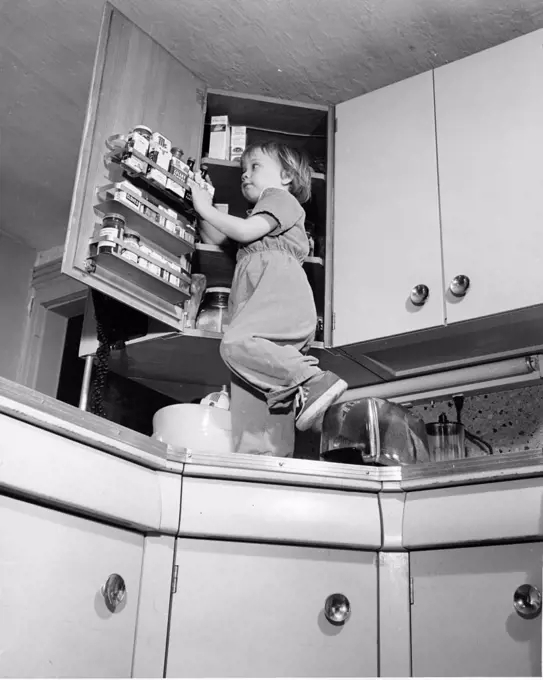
point(387, 238)
point(135, 81)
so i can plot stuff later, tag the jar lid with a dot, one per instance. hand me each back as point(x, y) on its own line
point(114, 216)
point(143, 127)
point(177, 151)
point(217, 289)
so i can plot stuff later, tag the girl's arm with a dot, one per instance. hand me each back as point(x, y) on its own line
point(236, 228)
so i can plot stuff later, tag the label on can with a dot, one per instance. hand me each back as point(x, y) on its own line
point(108, 234)
point(129, 255)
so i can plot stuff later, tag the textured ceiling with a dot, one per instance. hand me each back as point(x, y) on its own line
point(309, 50)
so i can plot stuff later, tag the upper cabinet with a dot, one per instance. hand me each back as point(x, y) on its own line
point(387, 247)
point(489, 113)
point(438, 192)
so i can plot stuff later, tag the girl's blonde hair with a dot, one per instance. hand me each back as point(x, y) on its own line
point(293, 162)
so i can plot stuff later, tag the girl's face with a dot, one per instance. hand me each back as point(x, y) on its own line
point(259, 172)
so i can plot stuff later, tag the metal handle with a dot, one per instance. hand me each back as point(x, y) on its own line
point(527, 601)
point(459, 285)
point(114, 591)
point(337, 609)
point(419, 294)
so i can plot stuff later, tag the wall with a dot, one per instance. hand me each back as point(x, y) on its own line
point(511, 420)
point(16, 264)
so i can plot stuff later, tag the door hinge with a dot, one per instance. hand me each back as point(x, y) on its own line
point(411, 591)
point(174, 578)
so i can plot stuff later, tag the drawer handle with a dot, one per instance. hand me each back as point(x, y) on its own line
point(419, 294)
point(459, 285)
point(337, 609)
point(114, 591)
point(527, 601)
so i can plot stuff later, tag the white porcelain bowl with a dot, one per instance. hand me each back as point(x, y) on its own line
point(194, 426)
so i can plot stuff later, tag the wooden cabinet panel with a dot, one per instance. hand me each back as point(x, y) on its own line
point(463, 622)
point(135, 81)
point(489, 113)
point(53, 618)
point(250, 610)
point(386, 217)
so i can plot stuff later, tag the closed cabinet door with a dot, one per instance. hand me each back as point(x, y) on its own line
point(489, 116)
point(63, 612)
point(387, 274)
point(247, 610)
point(468, 616)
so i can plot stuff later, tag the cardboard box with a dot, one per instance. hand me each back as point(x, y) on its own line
point(238, 141)
point(219, 138)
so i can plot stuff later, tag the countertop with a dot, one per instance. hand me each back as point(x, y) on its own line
point(50, 414)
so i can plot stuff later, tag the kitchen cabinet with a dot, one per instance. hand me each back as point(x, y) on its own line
point(60, 576)
point(451, 203)
point(489, 113)
point(463, 622)
point(386, 215)
point(258, 611)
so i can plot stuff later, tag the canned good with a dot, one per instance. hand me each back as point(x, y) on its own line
point(151, 214)
point(132, 239)
point(129, 255)
point(112, 230)
point(154, 268)
point(138, 140)
point(143, 262)
point(175, 280)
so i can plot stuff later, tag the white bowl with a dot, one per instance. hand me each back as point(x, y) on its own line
point(194, 426)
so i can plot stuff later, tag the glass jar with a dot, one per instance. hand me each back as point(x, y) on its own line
point(112, 230)
point(214, 314)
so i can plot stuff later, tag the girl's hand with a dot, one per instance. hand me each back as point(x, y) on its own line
point(201, 199)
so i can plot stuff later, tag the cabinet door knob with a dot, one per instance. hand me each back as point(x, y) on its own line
point(419, 294)
point(527, 601)
point(114, 591)
point(337, 609)
point(459, 285)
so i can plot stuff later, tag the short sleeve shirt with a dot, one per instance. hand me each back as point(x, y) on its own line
point(289, 233)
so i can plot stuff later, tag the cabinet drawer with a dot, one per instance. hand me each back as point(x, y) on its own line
point(253, 511)
point(509, 510)
point(54, 621)
point(246, 610)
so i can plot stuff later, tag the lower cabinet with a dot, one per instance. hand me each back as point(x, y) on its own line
point(62, 610)
point(253, 610)
point(463, 622)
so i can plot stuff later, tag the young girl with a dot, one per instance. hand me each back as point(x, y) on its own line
point(273, 314)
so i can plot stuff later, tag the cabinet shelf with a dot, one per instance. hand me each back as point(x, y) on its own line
point(173, 362)
point(146, 228)
point(142, 181)
point(189, 357)
point(235, 164)
point(130, 271)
